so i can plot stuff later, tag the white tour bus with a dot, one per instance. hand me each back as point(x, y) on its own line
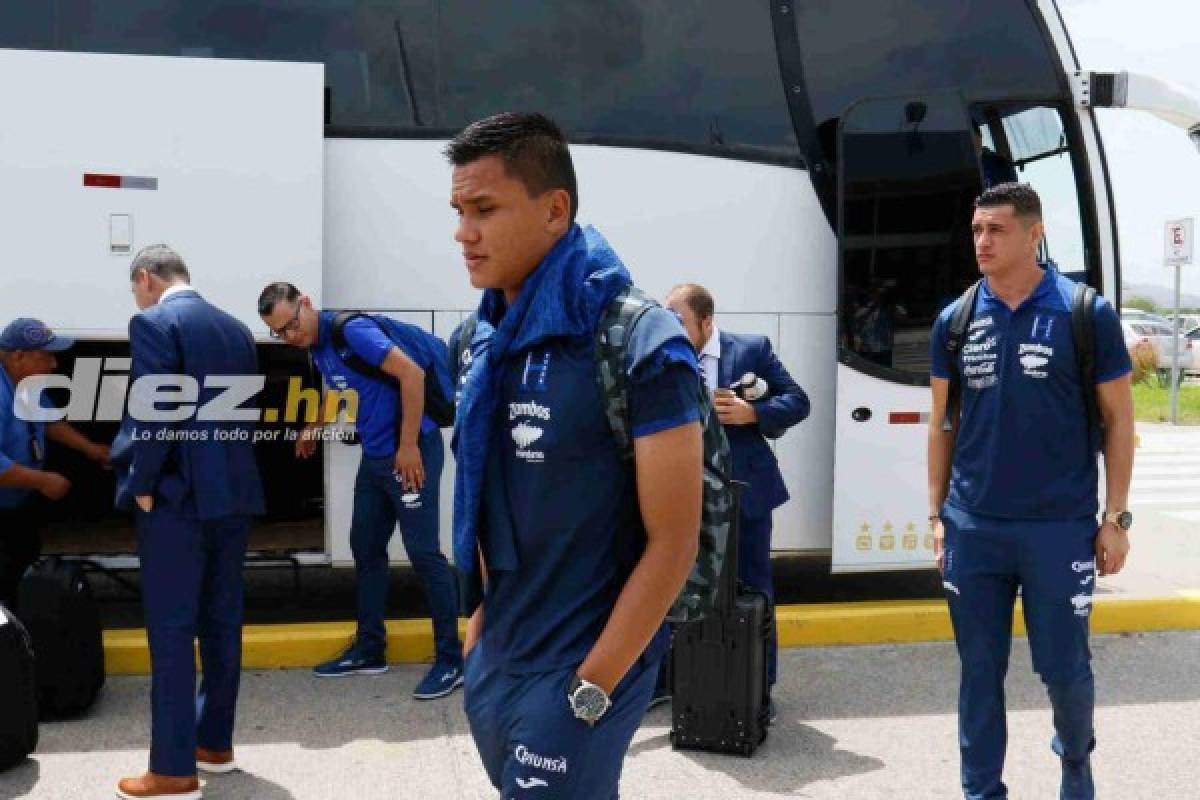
point(812, 163)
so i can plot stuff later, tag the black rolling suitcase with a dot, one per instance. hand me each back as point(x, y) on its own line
point(63, 620)
point(720, 695)
point(18, 692)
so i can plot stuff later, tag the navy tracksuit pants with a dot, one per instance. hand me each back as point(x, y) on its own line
point(529, 740)
point(1053, 564)
point(379, 502)
point(191, 589)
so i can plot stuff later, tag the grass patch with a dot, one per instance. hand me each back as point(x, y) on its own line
point(1153, 404)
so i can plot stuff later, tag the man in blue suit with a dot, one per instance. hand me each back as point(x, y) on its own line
point(750, 416)
point(193, 485)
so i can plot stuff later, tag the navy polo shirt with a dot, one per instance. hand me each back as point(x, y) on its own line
point(569, 506)
point(1023, 449)
point(378, 400)
point(17, 437)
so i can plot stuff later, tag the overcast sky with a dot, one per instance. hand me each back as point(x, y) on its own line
point(1155, 168)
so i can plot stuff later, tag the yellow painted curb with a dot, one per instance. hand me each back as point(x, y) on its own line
point(882, 622)
point(284, 646)
point(929, 620)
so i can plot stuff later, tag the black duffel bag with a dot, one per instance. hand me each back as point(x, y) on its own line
point(63, 620)
point(18, 692)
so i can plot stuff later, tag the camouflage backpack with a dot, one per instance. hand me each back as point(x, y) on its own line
point(699, 596)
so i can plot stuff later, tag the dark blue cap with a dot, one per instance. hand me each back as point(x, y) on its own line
point(32, 334)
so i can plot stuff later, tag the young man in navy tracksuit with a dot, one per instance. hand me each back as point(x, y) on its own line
point(578, 554)
point(1013, 489)
point(398, 478)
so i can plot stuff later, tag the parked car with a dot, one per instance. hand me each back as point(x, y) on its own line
point(1148, 337)
point(1193, 337)
point(1138, 315)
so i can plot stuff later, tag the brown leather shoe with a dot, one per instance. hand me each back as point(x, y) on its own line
point(165, 786)
point(215, 760)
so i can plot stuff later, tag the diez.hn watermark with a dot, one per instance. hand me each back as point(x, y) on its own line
point(99, 390)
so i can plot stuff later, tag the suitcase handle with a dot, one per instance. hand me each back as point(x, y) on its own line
point(728, 590)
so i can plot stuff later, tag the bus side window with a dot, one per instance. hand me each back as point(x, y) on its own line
point(1043, 159)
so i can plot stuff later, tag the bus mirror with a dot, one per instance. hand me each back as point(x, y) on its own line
point(1194, 135)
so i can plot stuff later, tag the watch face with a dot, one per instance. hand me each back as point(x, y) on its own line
point(589, 703)
point(1125, 520)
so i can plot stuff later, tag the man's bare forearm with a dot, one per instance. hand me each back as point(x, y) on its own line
point(639, 612)
point(1116, 406)
point(412, 393)
point(22, 477)
point(669, 475)
point(940, 450)
point(1118, 465)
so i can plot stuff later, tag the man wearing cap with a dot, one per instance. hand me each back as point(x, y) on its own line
point(193, 486)
point(27, 349)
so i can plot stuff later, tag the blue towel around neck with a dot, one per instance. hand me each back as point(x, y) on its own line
point(565, 296)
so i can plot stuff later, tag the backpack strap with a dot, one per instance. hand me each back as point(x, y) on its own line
point(459, 348)
point(954, 339)
point(612, 343)
point(346, 353)
point(1083, 333)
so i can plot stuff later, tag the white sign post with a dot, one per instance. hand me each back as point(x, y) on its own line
point(1179, 240)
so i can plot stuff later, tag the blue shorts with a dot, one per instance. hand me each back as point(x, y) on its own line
point(531, 744)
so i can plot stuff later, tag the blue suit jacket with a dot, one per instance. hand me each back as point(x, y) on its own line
point(195, 474)
point(785, 405)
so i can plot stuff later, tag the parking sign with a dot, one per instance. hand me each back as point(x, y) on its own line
point(1179, 241)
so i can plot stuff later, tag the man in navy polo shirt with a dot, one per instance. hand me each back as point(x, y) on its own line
point(1013, 489)
point(398, 478)
point(579, 552)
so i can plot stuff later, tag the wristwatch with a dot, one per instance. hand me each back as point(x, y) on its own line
point(1122, 519)
point(588, 701)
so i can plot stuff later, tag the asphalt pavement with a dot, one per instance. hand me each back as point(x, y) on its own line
point(855, 723)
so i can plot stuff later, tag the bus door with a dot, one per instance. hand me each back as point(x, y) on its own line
point(908, 172)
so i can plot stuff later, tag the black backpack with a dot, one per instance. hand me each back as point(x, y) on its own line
point(439, 405)
point(1083, 334)
point(699, 596)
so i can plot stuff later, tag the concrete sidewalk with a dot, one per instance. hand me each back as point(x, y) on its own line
point(856, 723)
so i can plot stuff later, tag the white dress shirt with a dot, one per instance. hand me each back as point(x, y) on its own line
point(710, 356)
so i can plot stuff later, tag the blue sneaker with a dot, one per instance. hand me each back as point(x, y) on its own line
point(440, 681)
point(351, 662)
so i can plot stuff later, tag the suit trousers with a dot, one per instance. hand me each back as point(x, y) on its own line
point(191, 589)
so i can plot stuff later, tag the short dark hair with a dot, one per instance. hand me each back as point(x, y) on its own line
point(698, 299)
point(275, 293)
point(532, 147)
point(1021, 196)
point(160, 261)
